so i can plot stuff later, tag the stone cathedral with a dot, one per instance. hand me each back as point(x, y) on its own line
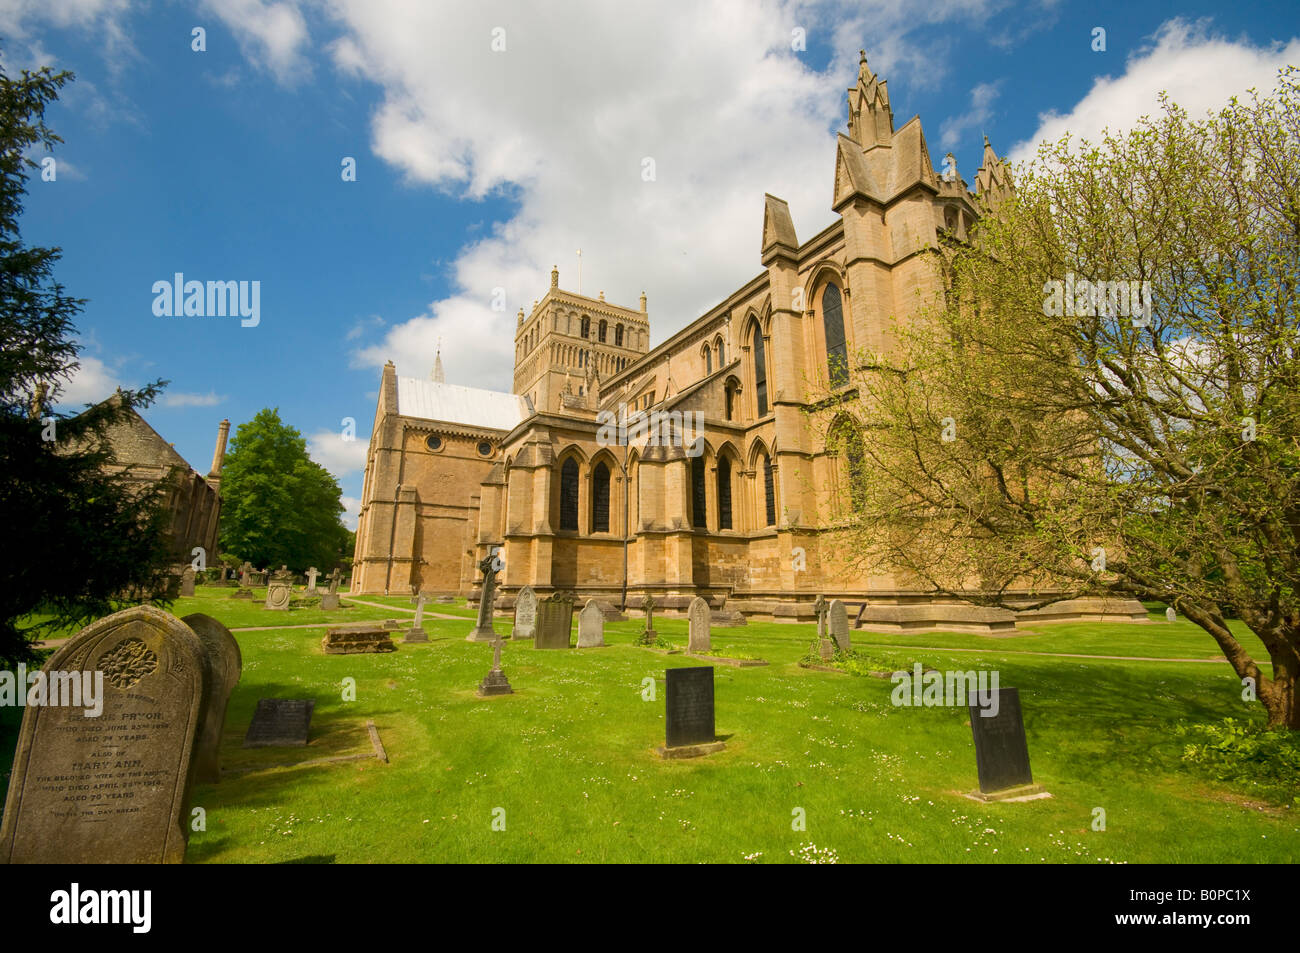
point(740, 516)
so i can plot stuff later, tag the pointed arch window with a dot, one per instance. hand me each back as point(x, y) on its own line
point(586, 327)
point(600, 331)
point(708, 362)
point(698, 511)
point(618, 335)
point(600, 499)
point(837, 358)
point(724, 493)
point(569, 494)
point(760, 369)
point(769, 490)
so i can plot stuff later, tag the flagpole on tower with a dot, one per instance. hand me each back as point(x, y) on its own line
point(579, 271)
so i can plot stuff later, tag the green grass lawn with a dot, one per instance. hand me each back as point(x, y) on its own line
point(568, 759)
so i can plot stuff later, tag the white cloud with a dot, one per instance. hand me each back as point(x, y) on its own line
point(1198, 69)
point(91, 382)
point(270, 35)
point(342, 458)
point(351, 511)
point(561, 121)
point(181, 399)
point(954, 129)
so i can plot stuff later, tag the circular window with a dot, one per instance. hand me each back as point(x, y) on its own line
point(485, 448)
point(434, 442)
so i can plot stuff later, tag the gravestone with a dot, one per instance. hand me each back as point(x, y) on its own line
point(1171, 615)
point(330, 600)
point(483, 631)
point(525, 614)
point(280, 723)
point(363, 638)
point(698, 626)
point(554, 622)
point(246, 574)
point(648, 635)
point(279, 591)
point(111, 789)
point(223, 665)
point(495, 681)
point(312, 573)
point(447, 600)
point(187, 582)
point(820, 607)
point(591, 626)
point(416, 632)
point(839, 626)
point(688, 708)
point(1001, 751)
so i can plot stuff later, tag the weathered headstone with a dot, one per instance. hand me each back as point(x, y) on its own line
point(360, 639)
point(280, 589)
point(698, 626)
point(280, 723)
point(1171, 615)
point(554, 622)
point(416, 632)
point(312, 573)
point(648, 635)
point(187, 582)
point(821, 606)
point(1001, 751)
point(483, 631)
point(330, 599)
point(689, 712)
point(111, 789)
point(525, 614)
point(223, 666)
point(246, 574)
point(839, 626)
point(447, 600)
point(591, 626)
point(495, 681)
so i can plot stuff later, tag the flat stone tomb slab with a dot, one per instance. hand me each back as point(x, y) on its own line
point(280, 723)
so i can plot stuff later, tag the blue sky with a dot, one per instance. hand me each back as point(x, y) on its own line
point(478, 169)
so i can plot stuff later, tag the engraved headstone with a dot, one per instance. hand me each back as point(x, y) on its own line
point(187, 582)
point(223, 666)
point(698, 626)
point(280, 723)
point(839, 625)
point(1001, 751)
point(688, 706)
point(112, 788)
point(416, 632)
point(312, 573)
point(554, 622)
point(525, 614)
point(591, 626)
point(483, 631)
point(280, 589)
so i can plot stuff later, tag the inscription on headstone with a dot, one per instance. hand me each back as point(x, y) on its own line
point(698, 627)
point(280, 589)
point(591, 626)
point(1001, 751)
point(280, 723)
point(688, 704)
point(554, 623)
point(525, 614)
point(111, 789)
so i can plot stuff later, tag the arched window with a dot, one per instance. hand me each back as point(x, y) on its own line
point(698, 511)
point(760, 369)
point(724, 493)
point(569, 494)
point(600, 499)
point(837, 358)
point(600, 331)
point(769, 490)
point(618, 335)
point(722, 359)
point(586, 327)
point(729, 396)
point(708, 362)
point(847, 440)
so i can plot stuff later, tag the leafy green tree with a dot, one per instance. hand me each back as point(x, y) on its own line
point(79, 539)
point(279, 507)
point(1031, 435)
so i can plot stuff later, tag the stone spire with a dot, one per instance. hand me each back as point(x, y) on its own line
point(219, 453)
point(993, 180)
point(436, 374)
point(871, 120)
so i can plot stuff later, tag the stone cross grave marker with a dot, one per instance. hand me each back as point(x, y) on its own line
point(591, 626)
point(312, 573)
point(495, 682)
point(1001, 751)
point(820, 607)
point(416, 632)
point(648, 634)
point(111, 788)
point(483, 631)
point(223, 664)
point(280, 723)
point(525, 614)
point(839, 625)
point(698, 626)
